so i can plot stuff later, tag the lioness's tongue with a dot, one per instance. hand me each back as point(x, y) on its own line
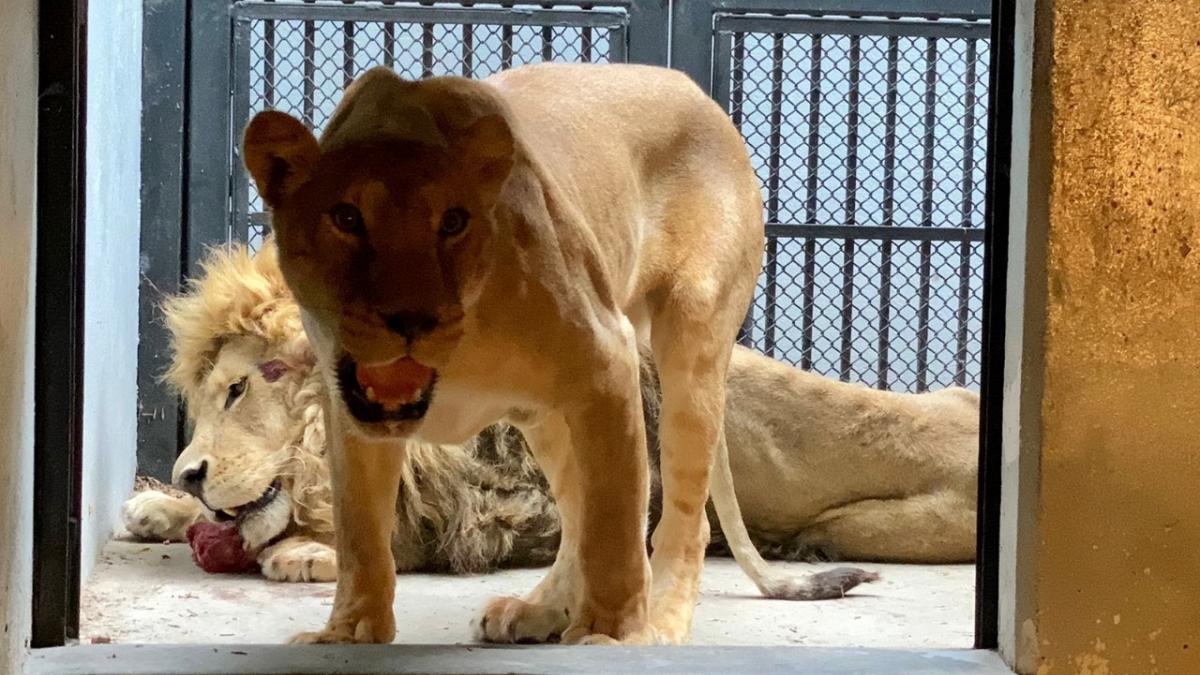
point(398, 381)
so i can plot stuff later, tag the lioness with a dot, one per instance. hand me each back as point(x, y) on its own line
point(826, 470)
point(468, 252)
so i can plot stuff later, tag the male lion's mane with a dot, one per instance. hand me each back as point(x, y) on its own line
point(460, 509)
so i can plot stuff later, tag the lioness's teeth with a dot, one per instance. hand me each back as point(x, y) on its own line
point(371, 394)
point(232, 513)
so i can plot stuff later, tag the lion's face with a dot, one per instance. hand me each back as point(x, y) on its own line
point(385, 243)
point(243, 431)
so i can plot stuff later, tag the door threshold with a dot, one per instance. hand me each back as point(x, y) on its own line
point(338, 659)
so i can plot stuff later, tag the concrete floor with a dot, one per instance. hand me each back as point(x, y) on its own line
point(154, 594)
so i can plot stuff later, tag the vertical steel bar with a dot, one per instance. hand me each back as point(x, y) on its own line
point(850, 206)
point(618, 45)
point(737, 91)
point(506, 47)
point(733, 76)
point(889, 212)
point(810, 215)
point(468, 50)
point(310, 73)
point(426, 48)
point(547, 43)
point(389, 41)
point(347, 53)
point(238, 186)
point(771, 283)
point(585, 36)
point(968, 207)
point(268, 63)
point(163, 241)
point(927, 166)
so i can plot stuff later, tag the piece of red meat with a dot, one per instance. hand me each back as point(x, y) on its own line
point(219, 548)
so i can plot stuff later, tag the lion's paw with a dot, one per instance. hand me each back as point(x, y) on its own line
point(301, 562)
point(513, 620)
point(158, 516)
point(363, 630)
point(590, 629)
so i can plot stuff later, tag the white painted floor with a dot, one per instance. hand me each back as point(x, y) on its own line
point(153, 593)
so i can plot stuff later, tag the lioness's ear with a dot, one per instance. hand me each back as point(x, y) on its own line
point(280, 153)
point(487, 148)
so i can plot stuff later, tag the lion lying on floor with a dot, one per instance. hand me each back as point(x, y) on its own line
point(823, 470)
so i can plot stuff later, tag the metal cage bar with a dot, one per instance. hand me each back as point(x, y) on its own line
point(884, 344)
point(858, 202)
point(851, 206)
point(848, 27)
point(773, 180)
point(810, 208)
point(923, 290)
point(968, 207)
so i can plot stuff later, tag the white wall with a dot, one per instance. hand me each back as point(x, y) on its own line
point(113, 192)
point(18, 152)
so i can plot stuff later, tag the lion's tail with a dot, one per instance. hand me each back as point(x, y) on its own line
point(772, 581)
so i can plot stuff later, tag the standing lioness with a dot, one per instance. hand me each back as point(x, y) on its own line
point(467, 252)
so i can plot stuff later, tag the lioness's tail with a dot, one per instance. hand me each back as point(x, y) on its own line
point(771, 581)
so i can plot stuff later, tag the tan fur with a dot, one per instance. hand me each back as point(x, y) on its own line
point(610, 206)
point(464, 508)
point(826, 470)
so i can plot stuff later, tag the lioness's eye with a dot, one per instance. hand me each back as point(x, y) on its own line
point(347, 218)
point(454, 221)
point(235, 390)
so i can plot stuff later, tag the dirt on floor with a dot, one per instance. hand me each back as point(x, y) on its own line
point(153, 593)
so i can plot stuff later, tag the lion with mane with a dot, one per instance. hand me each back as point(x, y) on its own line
point(824, 470)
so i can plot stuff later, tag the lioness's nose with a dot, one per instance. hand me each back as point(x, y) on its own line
point(411, 325)
point(192, 478)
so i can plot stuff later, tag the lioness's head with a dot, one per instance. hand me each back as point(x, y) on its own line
point(240, 361)
point(384, 227)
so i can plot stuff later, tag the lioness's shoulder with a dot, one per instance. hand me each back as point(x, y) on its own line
point(592, 77)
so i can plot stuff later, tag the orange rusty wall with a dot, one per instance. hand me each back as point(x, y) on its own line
point(1119, 565)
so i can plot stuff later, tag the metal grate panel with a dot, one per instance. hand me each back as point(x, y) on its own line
point(869, 137)
point(298, 57)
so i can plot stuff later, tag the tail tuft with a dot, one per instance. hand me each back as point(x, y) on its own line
point(827, 585)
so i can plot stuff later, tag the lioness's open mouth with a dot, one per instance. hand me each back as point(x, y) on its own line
point(244, 511)
point(397, 391)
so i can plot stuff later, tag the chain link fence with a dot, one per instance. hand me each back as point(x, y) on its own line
point(299, 57)
point(869, 136)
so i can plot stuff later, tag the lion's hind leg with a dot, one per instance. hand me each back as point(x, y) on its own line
point(937, 527)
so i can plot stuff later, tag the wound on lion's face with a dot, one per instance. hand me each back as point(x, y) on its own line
point(273, 370)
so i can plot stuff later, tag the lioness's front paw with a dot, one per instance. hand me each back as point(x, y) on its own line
point(305, 561)
point(379, 629)
point(513, 620)
point(593, 628)
point(157, 516)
